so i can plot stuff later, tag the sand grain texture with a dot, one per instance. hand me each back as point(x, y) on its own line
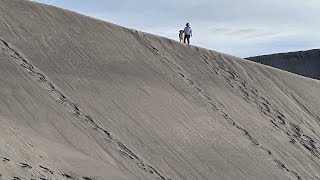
point(86, 99)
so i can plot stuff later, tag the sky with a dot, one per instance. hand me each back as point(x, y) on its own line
point(242, 28)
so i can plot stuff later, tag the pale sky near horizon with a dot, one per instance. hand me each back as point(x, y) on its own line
point(241, 28)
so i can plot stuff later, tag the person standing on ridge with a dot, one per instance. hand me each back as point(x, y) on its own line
point(187, 33)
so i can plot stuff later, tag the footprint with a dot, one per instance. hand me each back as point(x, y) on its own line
point(5, 159)
point(88, 118)
point(190, 82)
point(154, 48)
point(180, 74)
point(62, 98)
point(264, 108)
point(76, 111)
point(280, 164)
point(224, 115)
point(265, 149)
point(213, 106)
point(67, 176)
point(41, 77)
point(293, 141)
point(126, 151)
point(86, 178)
point(254, 141)
point(46, 169)
point(281, 120)
point(51, 87)
point(24, 165)
point(141, 166)
point(207, 97)
point(198, 89)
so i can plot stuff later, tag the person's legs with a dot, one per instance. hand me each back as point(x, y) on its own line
point(188, 39)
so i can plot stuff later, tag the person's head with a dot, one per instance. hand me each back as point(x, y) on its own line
point(187, 24)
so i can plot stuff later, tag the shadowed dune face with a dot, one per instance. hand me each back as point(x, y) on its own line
point(86, 99)
point(304, 63)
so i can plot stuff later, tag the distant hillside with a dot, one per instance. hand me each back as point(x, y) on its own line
point(304, 63)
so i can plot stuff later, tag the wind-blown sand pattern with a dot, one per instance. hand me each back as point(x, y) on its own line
point(85, 99)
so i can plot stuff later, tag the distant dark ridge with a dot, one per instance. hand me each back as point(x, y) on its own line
point(304, 63)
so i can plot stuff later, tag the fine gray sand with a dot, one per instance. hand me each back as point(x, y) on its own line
point(86, 99)
point(304, 63)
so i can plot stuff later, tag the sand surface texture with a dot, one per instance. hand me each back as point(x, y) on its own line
point(86, 99)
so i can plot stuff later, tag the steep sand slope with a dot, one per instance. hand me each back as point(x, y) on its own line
point(85, 99)
point(304, 63)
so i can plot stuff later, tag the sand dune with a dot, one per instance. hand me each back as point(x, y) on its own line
point(304, 63)
point(85, 99)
